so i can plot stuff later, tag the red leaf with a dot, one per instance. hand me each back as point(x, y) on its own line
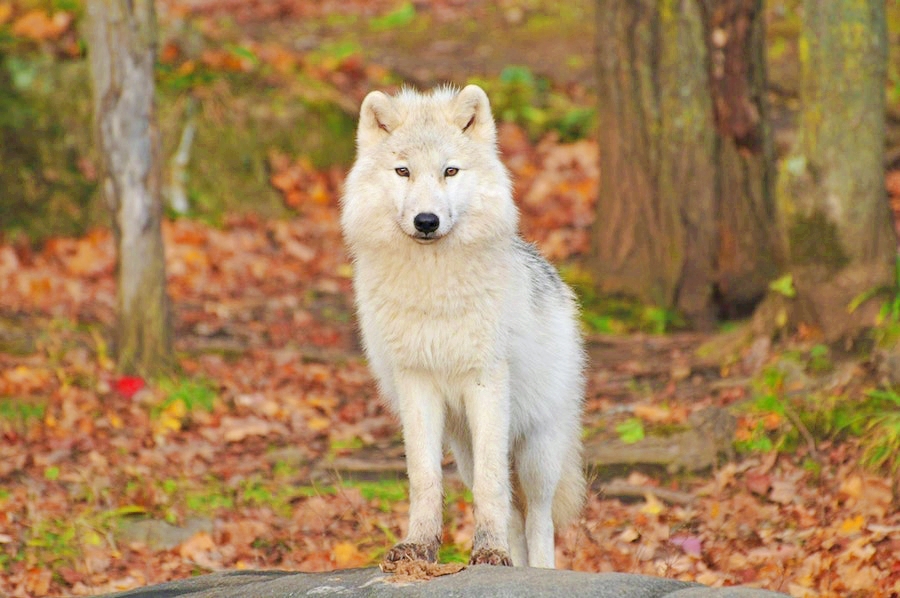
point(128, 386)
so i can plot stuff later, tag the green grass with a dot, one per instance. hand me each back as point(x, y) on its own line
point(781, 419)
point(616, 315)
point(453, 553)
point(191, 394)
point(21, 412)
point(521, 97)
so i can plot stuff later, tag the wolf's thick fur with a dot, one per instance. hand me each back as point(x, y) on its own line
point(472, 335)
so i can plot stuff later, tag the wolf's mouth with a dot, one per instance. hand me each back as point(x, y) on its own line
point(425, 238)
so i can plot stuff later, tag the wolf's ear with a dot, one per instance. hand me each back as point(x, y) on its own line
point(472, 114)
point(377, 119)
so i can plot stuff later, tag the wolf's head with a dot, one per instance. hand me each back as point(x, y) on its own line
point(427, 168)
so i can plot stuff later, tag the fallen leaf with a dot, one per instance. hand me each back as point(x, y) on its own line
point(347, 555)
point(652, 413)
point(758, 483)
point(653, 505)
point(128, 386)
point(201, 549)
point(39, 25)
point(690, 545)
point(852, 525)
point(783, 491)
point(236, 429)
point(318, 423)
point(629, 535)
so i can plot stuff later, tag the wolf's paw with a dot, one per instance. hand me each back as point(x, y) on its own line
point(408, 551)
point(490, 556)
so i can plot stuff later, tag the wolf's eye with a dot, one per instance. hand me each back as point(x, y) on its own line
point(451, 171)
point(402, 171)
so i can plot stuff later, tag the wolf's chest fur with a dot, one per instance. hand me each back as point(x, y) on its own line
point(433, 311)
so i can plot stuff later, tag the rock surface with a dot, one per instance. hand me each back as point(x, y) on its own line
point(497, 582)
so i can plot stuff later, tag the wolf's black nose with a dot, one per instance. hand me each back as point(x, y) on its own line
point(426, 222)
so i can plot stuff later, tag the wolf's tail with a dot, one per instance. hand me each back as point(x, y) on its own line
point(572, 489)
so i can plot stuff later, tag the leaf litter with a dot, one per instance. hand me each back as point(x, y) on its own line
point(275, 388)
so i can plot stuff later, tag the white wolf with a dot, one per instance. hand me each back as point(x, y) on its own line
point(472, 335)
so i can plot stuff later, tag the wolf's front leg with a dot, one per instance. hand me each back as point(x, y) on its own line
point(422, 416)
point(487, 411)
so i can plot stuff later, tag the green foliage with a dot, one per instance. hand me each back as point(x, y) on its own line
point(192, 394)
point(879, 423)
point(518, 96)
point(385, 492)
point(887, 329)
point(203, 502)
point(21, 412)
point(453, 553)
point(402, 16)
point(337, 446)
point(820, 359)
point(784, 285)
point(52, 540)
point(617, 315)
point(212, 493)
point(256, 493)
point(43, 108)
point(778, 419)
point(631, 430)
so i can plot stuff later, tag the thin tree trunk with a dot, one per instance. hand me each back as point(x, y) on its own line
point(685, 210)
point(122, 36)
point(837, 218)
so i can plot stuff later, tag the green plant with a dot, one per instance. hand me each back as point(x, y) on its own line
point(880, 426)
point(820, 359)
point(776, 419)
point(617, 315)
point(520, 97)
point(887, 329)
point(784, 285)
point(631, 430)
point(765, 425)
point(191, 394)
point(21, 412)
point(402, 16)
point(385, 492)
point(453, 553)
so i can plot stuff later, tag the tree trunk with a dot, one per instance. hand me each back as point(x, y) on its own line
point(685, 208)
point(831, 190)
point(121, 34)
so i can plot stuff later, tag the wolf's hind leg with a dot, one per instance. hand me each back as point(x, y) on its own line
point(460, 443)
point(518, 548)
point(538, 465)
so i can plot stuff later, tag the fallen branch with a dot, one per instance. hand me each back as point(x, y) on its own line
point(620, 489)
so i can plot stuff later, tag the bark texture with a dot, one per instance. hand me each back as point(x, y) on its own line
point(685, 211)
point(122, 35)
point(831, 190)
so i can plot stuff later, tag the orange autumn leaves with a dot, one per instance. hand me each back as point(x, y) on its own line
point(55, 29)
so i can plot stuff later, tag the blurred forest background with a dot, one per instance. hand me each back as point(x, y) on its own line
point(719, 181)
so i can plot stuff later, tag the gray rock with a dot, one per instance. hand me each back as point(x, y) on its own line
point(496, 582)
point(159, 535)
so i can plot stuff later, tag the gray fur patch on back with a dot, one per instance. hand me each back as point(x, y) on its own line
point(545, 280)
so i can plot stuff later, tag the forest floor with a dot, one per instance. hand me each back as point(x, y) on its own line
point(271, 448)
